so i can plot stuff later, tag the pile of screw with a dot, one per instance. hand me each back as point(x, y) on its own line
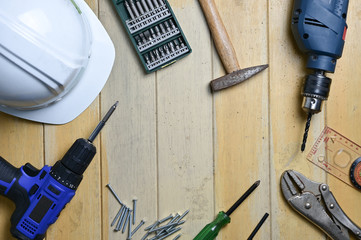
point(158, 232)
point(125, 217)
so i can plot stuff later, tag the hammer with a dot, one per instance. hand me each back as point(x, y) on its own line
point(235, 74)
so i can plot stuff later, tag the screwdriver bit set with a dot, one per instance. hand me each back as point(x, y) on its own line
point(154, 32)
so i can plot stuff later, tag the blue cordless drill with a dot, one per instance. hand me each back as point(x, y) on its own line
point(319, 27)
point(40, 195)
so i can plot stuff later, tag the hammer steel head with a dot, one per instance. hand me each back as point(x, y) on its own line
point(236, 77)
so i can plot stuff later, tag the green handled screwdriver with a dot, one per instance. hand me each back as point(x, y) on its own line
point(211, 230)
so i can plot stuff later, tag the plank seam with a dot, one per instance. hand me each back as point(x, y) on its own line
point(269, 121)
point(157, 140)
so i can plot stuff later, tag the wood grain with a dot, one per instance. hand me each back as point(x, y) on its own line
point(287, 121)
point(184, 131)
point(129, 152)
point(82, 216)
point(175, 146)
point(343, 108)
point(241, 121)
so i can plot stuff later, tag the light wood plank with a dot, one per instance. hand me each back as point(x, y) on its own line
point(344, 108)
point(21, 142)
point(287, 121)
point(81, 219)
point(82, 216)
point(242, 140)
point(185, 145)
point(129, 139)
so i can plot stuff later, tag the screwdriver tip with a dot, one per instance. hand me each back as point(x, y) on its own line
point(116, 104)
point(257, 183)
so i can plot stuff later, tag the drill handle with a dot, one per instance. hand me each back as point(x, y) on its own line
point(8, 175)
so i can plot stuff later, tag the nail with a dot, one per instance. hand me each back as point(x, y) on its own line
point(127, 219)
point(183, 215)
point(117, 228)
point(166, 218)
point(134, 209)
point(113, 192)
point(117, 216)
point(170, 233)
point(178, 236)
point(136, 229)
point(129, 230)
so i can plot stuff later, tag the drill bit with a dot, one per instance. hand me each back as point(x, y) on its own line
point(102, 122)
point(308, 123)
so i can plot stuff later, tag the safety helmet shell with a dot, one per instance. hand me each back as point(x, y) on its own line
point(55, 57)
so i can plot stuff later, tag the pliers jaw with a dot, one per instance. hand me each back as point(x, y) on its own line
point(315, 202)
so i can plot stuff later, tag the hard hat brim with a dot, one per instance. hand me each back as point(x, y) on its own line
point(87, 89)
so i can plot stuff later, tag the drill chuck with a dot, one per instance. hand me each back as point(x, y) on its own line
point(79, 156)
point(316, 89)
point(69, 170)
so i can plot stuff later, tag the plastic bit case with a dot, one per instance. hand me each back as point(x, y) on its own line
point(154, 31)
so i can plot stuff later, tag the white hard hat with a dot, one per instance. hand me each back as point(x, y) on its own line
point(55, 57)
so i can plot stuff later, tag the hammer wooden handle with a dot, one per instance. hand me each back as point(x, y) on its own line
point(220, 36)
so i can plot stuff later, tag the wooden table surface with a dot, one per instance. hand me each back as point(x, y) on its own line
point(174, 145)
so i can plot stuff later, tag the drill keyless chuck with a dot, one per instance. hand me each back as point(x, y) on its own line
point(315, 90)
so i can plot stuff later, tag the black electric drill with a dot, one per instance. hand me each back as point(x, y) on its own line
point(319, 27)
point(40, 195)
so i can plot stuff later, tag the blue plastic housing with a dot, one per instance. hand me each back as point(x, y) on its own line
point(319, 27)
point(48, 192)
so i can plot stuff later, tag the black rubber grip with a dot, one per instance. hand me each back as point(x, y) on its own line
point(7, 171)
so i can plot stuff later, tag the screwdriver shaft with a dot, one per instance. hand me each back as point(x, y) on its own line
point(243, 197)
point(259, 225)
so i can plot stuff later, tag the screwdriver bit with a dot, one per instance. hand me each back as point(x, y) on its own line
point(161, 51)
point(134, 8)
point(150, 4)
point(147, 58)
point(140, 8)
point(152, 33)
point(148, 36)
point(145, 6)
point(137, 39)
point(181, 42)
point(172, 24)
point(152, 57)
point(155, 3)
point(157, 54)
point(157, 30)
point(167, 26)
point(166, 49)
point(171, 46)
point(162, 28)
point(176, 44)
point(141, 35)
point(131, 14)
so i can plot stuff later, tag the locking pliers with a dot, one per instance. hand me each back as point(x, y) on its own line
point(316, 202)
